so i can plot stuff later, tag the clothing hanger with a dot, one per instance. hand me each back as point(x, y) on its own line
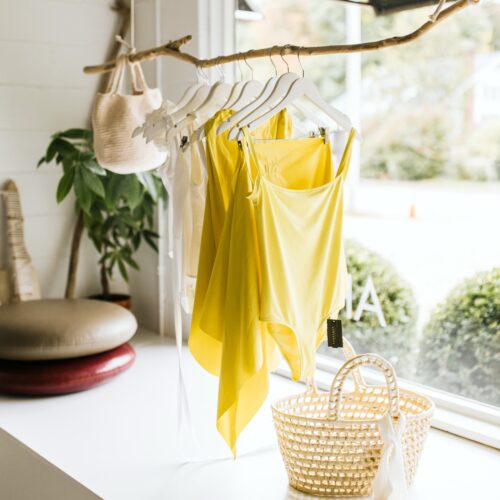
point(190, 91)
point(237, 88)
point(215, 100)
point(300, 87)
point(162, 118)
point(198, 98)
point(274, 90)
point(248, 93)
point(240, 114)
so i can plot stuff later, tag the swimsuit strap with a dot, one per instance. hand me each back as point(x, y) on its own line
point(346, 156)
point(249, 154)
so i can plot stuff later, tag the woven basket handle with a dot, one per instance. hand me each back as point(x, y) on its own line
point(349, 352)
point(355, 363)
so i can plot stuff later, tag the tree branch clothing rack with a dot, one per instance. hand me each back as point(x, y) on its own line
point(172, 48)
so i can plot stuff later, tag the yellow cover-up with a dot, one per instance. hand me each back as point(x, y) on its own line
point(234, 299)
point(222, 160)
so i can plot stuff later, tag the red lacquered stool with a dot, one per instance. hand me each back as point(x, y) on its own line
point(63, 376)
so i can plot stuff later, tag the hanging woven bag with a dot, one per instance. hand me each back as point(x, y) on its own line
point(115, 116)
point(353, 444)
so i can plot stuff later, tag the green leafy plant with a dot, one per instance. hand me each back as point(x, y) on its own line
point(115, 210)
point(396, 341)
point(460, 346)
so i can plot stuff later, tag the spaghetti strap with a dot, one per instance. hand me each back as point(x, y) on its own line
point(346, 156)
point(249, 154)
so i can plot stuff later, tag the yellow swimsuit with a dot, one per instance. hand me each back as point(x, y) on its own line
point(303, 270)
point(222, 159)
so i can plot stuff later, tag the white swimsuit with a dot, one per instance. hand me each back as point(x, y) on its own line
point(185, 179)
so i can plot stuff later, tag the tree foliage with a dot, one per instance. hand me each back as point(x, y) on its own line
point(416, 98)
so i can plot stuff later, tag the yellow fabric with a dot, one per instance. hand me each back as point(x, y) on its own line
point(300, 243)
point(222, 159)
point(233, 300)
point(249, 352)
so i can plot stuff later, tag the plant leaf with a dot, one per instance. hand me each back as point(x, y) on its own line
point(114, 190)
point(64, 148)
point(51, 151)
point(131, 262)
point(77, 133)
point(65, 185)
point(132, 190)
point(92, 181)
point(150, 241)
point(83, 193)
point(95, 168)
point(123, 270)
point(136, 240)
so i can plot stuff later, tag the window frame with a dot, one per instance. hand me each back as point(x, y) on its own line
point(463, 417)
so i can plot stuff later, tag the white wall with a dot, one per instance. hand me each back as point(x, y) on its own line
point(43, 46)
point(144, 284)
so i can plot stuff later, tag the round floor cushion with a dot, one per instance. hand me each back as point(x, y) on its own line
point(61, 329)
point(62, 376)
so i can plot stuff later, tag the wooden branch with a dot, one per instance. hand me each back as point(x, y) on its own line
point(172, 49)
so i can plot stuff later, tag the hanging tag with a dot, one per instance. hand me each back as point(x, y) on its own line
point(184, 142)
point(325, 133)
point(334, 333)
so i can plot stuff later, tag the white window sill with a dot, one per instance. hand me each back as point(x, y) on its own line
point(119, 440)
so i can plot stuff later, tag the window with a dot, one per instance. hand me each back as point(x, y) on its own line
point(423, 206)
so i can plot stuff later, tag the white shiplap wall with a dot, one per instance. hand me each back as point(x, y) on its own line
point(43, 46)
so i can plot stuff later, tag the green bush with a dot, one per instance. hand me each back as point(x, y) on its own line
point(460, 347)
point(396, 341)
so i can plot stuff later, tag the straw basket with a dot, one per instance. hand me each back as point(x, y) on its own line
point(331, 443)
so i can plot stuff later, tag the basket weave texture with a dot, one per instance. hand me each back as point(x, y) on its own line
point(331, 443)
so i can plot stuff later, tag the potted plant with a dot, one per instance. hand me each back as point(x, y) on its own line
point(115, 210)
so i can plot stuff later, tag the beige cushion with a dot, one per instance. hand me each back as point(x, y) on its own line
point(59, 329)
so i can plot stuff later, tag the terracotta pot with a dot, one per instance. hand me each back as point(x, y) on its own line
point(116, 298)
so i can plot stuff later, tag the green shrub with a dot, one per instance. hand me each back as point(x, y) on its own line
point(460, 347)
point(395, 341)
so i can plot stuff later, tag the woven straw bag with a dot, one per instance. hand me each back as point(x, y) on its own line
point(331, 442)
point(114, 118)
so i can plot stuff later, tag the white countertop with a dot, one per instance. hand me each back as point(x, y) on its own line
point(120, 441)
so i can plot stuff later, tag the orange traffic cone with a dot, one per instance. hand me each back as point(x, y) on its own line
point(413, 211)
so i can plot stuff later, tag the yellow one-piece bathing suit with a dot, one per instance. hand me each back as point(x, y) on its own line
point(300, 244)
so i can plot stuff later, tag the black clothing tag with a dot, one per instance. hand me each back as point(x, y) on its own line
point(334, 333)
point(184, 142)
